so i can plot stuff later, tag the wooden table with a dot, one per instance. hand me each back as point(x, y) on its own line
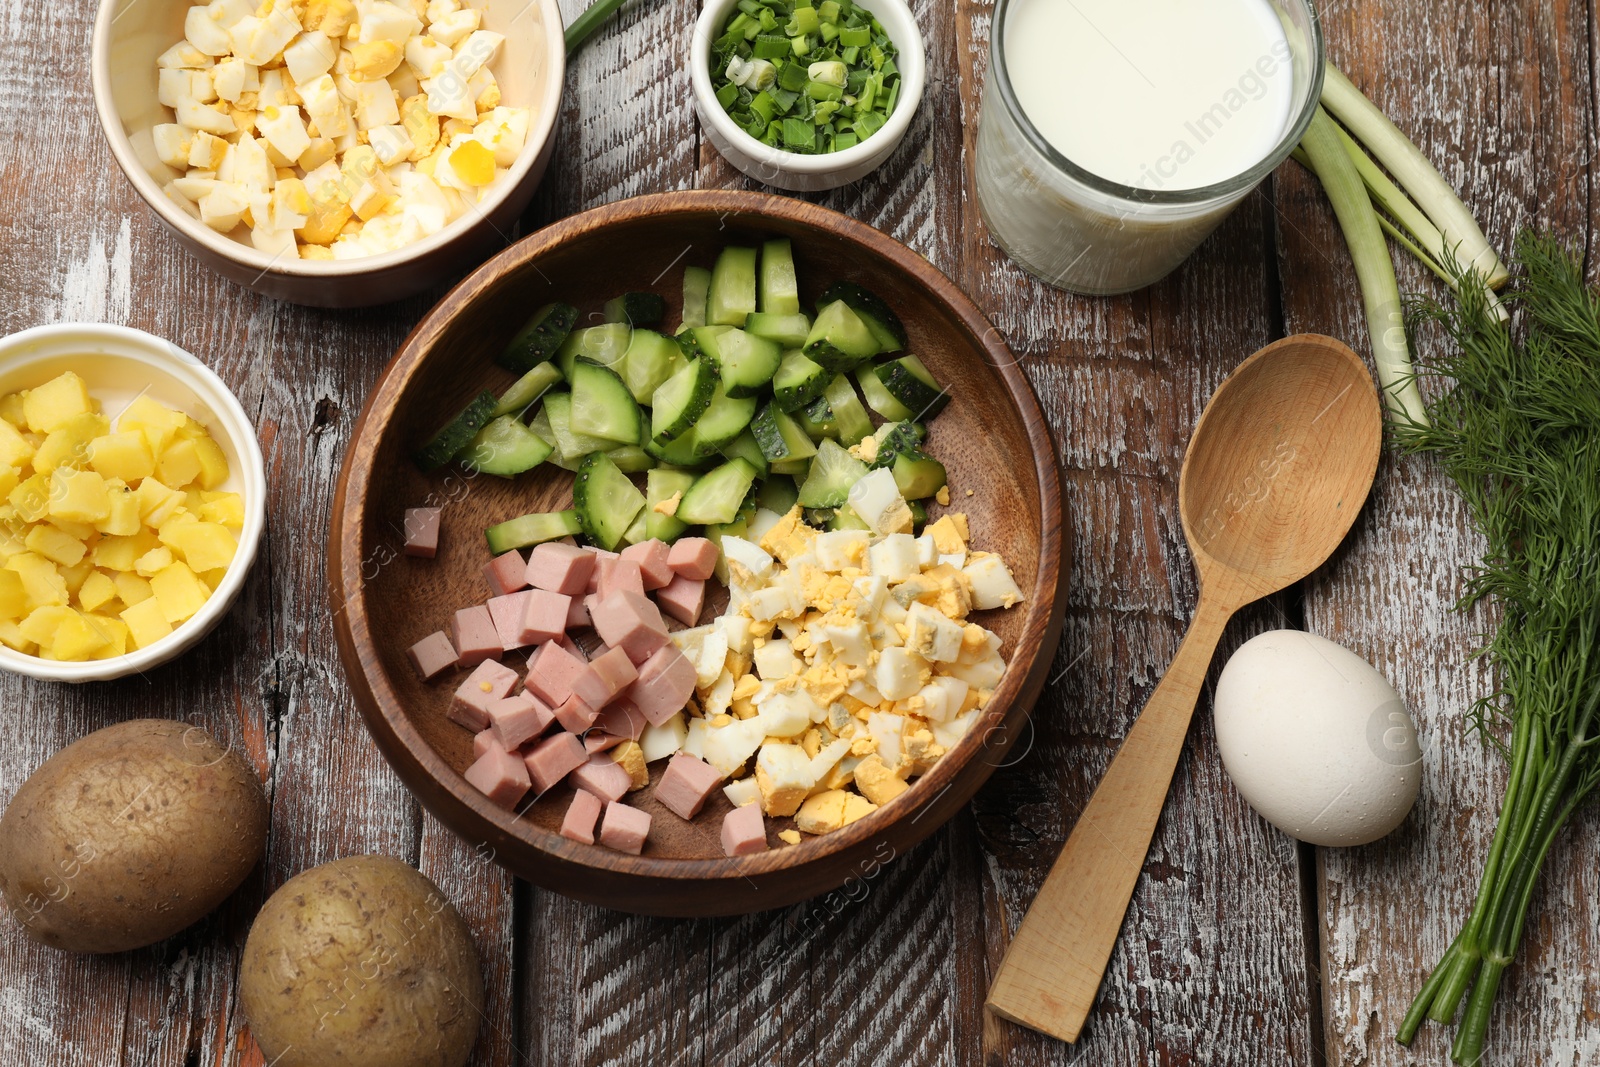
point(1240, 948)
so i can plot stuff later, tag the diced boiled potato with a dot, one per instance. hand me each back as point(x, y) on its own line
point(115, 631)
point(73, 577)
point(45, 408)
point(96, 591)
point(15, 450)
point(53, 544)
point(131, 588)
point(213, 578)
point(122, 513)
point(13, 599)
point(118, 553)
point(205, 546)
point(11, 410)
point(158, 423)
point(12, 637)
point(224, 508)
point(153, 562)
point(41, 582)
point(31, 498)
point(180, 591)
point(78, 495)
point(68, 444)
point(125, 454)
point(146, 622)
point(10, 478)
point(42, 623)
point(157, 502)
point(179, 463)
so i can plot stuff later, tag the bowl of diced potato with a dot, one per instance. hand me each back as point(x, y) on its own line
point(132, 501)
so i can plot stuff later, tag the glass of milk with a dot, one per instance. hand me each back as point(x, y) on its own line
point(1114, 135)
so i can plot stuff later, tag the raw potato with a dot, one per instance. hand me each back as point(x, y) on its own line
point(361, 963)
point(129, 835)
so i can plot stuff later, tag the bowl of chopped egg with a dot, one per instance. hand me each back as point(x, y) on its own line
point(332, 152)
point(133, 503)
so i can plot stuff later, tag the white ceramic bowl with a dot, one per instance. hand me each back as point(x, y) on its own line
point(117, 364)
point(530, 69)
point(792, 170)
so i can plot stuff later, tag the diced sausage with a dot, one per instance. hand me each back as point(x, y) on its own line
point(651, 556)
point(666, 681)
point(624, 828)
point(501, 776)
point(599, 741)
point(473, 633)
point(506, 614)
point(599, 555)
point(575, 714)
point(629, 621)
point(618, 574)
point(544, 616)
point(606, 676)
point(744, 831)
point(687, 783)
point(432, 654)
point(553, 759)
point(582, 814)
point(602, 776)
point(693, 557)
point(422, 532)
point(519, 718)
point(560, 568)
point(551, 675)
point(682, 598)
point(486, 684)
point(578, 613)
point(483, 741)
point(506, 573)
point(622, 719)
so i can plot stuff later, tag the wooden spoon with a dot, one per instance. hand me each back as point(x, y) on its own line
point(1279, 465)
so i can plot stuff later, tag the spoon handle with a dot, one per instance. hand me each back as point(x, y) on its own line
point(1052, 971)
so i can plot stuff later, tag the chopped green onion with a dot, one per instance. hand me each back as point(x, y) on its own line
point(833, 73)
point(799, 135)
point(802, 22)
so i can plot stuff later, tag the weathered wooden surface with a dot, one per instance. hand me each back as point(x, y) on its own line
point(1239, 948)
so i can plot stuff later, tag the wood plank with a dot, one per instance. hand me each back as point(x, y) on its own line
point(1508, 120)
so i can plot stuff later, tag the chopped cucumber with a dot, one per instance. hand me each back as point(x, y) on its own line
point(689, 340)
point(639, 531)
point(777, 494)
point(651, 359)
point(631, 459)
point(909, 382)
point(793, 468)
point(878, 398)
point(661, 485)
point(747, 362)
point(894, 438)
point(605, 345)
point(717, 495)
point(790, 331)
point(780, 292)
point(850, 418)
point(732, 296)
point(919, 515)
point(780, 436)
point(458, 434)
point(816, 419)
point(833, 472)
point(527, 389)
point(839, 339)
point(681, 400)
point(744, 447)
point(605, 500)
point(533, 529)
point(918, 475)
point(505, 447)
point(539, 339)
point(602, 406)
point(636, 309)
point(572, 445)
point(798, 381)
point(696, 283)
point(681, 451)
point(844, 517)
point(724, 419)
point(885, 325)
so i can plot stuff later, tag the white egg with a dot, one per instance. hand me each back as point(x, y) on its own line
point(1316, 740)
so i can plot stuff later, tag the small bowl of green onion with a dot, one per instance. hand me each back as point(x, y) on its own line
point(807, 95)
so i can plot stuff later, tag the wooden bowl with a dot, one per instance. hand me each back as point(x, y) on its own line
point(992, 437)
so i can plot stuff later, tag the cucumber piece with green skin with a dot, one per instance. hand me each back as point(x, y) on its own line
point(572, 446)
point(631, 459)
point(918, 475)
point(545, 332)
point(850, 419)
point(636, 309)
point(893, 438)
point(457, 434)
point(732, 295)
point(724, 419)
point(780, 291)
point(605, 500)
point(780, 436)
point(777, 494)
point(681, 451)
point(919, 516)
point(744, 447)
point(717, 495)
point(527, 389)
point(505, 447)
point(839, 339)
point(798, 381)
point(878, 398)
point(689, 340)
point(661, 485)
point(533, 529)
point(746, 362)
point(885, 325)
point(818, 517)
point(696, 284)
point(844, 517)
point(793, 468)
point(789, 331)
point(639, 531)
point(680, 400)
point(651, 359)
point(602, 406)
point(832, 473)
point(605, 345)
point(909, 382)
point(816, 419)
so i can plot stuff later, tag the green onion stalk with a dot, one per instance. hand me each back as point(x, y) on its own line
point(585, 24)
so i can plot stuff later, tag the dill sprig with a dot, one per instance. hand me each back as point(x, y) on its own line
point(1515, 422)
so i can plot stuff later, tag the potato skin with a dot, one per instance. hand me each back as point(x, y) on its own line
point(361, 962)
point(129, 835)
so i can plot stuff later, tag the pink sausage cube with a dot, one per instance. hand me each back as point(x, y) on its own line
point(687, 783)
point(559, 568)
point(506, 614)
point(566, 642)
point(506, 573)
point(544, 616)
point(602, 776)
point(598, 741)
point(629, 621)
point(693, 557)
point(664, 685)
point(682, 598)
point(551, 676)
point(582, 814)
point(606, 676)
point(575, 715)
point(744, 831)
point(432, 654)
point(422, 532)
point(624, 828)
point(500, 776)
point(651, 556)
point(483, 741)
point(485, 685)
point(618, 573)
point(519, 718)
point(553, 759)
point(578, 613)
point(621, 719)
point(600, 555)
point(473, 633)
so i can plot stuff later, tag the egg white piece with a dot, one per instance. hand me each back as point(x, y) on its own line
point(1316, 740)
